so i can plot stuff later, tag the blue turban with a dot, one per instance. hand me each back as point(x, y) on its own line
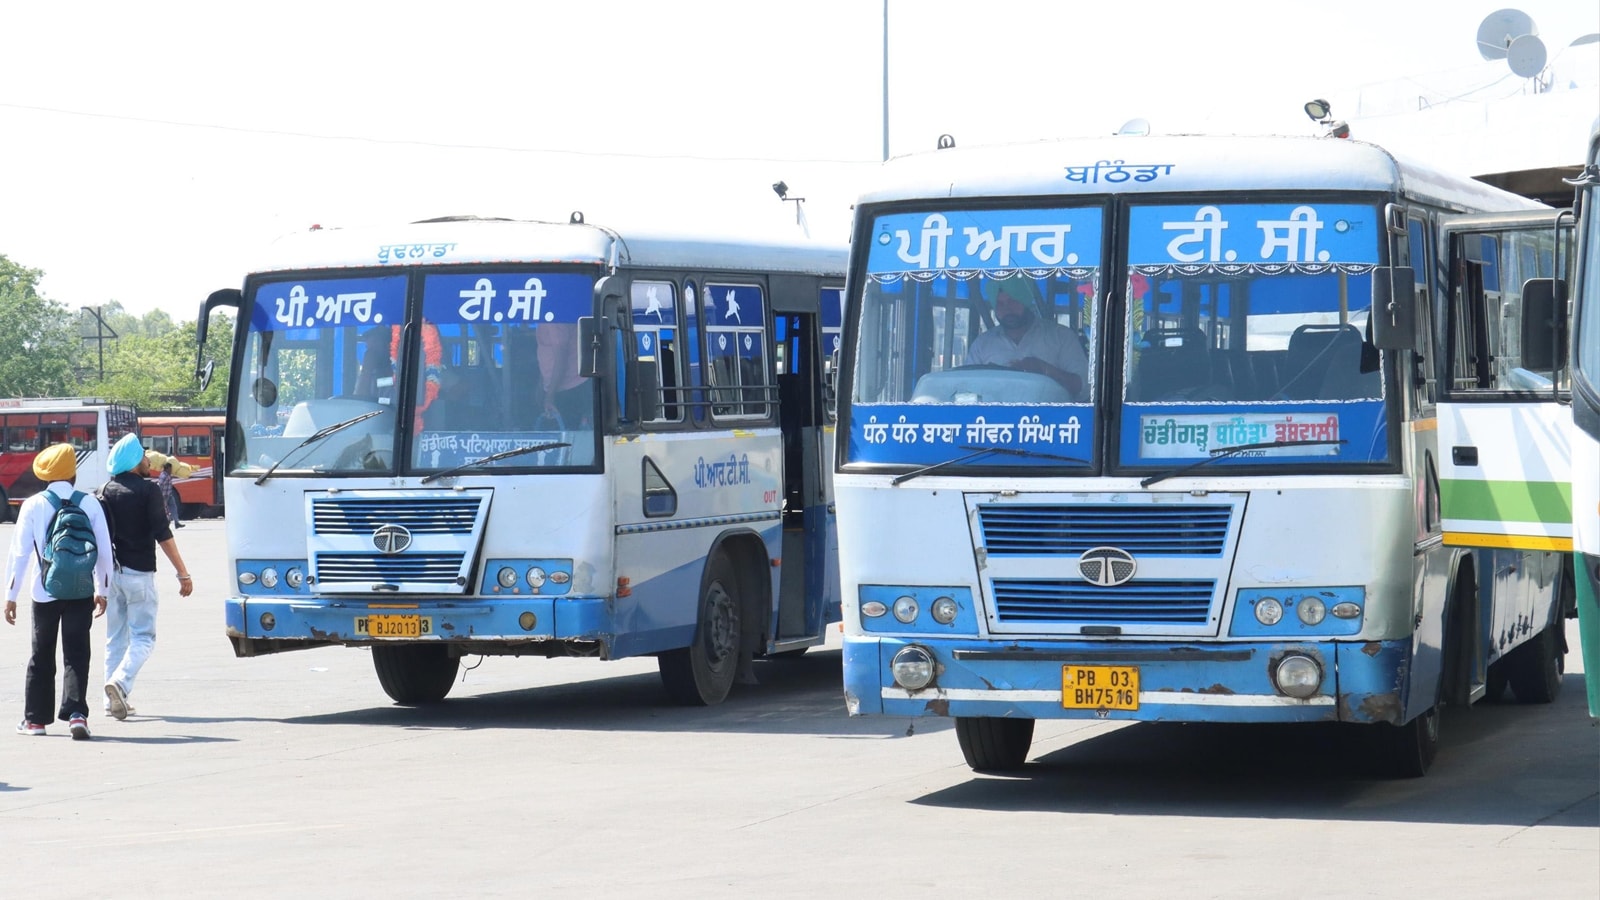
point(125, 455)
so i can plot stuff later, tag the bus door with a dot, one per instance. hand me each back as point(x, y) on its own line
point(1504, 442)
point(809, 574)
point(216, 465)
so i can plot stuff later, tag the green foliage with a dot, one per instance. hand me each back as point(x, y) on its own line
point(38, 338)
point(48, 351)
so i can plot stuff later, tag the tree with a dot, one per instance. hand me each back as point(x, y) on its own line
point(38, 337)
point(157, 370)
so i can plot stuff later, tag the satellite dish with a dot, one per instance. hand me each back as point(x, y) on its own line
point(1135, 127)
point(1500, 29)
point(1526, 56)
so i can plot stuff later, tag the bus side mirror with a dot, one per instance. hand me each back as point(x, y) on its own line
point(591, 345)
point(229, 297)
point(1394, 308)
point(1544, 324)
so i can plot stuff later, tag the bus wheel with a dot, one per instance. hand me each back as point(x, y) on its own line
point(1406, 751)
point(702, 673)
point(1535, 668)
point(413, 674)
point(994, 745)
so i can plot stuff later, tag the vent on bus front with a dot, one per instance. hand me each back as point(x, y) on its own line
point(1072, 602)
point(450, 515)
point(419, 568)
point(1144, 530)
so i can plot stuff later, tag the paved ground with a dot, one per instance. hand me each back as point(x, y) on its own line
point(293, 775)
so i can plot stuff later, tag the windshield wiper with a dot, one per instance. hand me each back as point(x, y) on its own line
point(981, 451)
point(505, 454)
point(318, 435)
point(1234, 451)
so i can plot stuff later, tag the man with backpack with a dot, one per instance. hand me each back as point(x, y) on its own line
point(138, 526)
point(61, 552)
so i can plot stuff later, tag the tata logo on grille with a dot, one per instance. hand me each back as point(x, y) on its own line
point(1107, 566)
point(393, 538)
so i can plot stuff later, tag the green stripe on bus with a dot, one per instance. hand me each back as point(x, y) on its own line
point(1506, 501)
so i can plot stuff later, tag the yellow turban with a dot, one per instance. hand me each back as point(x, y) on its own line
point(56, 462)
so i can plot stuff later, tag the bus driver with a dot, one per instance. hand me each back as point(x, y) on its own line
point(1026, 341)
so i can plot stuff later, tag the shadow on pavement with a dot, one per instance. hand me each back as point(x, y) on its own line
point(1498, 763)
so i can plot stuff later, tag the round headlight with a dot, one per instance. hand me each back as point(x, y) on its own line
point(269, 577)
point(1311, 610)
point(536, 578)
point(912, 668)
point(905, 609)
point(873, 608)
point(944, 610)
point(506, 577)
point(247, 578)
point(294, 578)
point(1298, 676)
point(1268, 611)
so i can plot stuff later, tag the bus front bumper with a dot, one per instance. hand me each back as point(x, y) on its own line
point(1361, 681)
point(269, 625)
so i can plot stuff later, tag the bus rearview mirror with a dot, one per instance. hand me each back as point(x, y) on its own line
point(1394, 308)
point(1544, 333)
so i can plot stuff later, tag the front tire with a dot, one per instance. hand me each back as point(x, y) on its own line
point(415, 674)
point(993, 744)
point(702, 673)
point(1407, 751)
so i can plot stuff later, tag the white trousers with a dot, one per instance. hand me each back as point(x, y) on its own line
point(130, 626)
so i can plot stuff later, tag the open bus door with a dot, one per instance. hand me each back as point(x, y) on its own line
point(1505, 478)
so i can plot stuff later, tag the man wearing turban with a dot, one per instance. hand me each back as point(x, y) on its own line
point(138, 527)
point(71, 617)
point(1026, 341)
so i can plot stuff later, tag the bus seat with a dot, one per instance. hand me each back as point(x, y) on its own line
point(1172, 361)
point(1324, 363)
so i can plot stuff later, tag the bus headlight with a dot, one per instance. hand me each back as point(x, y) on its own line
point(506, 577)
point(1311, 610)
point(943, 610)
point(1269, 611)
point(536, 578)
point(872, 609)
point(269, 577)
point(1346, 610)
point(247, 578)
point(1298, 676)
point(905, 609)
point(294, 578)
point(912, 667)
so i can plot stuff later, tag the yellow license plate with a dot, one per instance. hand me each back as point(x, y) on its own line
point(1100, 687)
point(394, 626)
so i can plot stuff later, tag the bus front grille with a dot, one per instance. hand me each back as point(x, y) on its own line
point(413, 568)
point(1021, 601)
point(1018, 529)
point(350, 515)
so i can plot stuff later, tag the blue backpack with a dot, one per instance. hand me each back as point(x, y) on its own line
point(70, 551)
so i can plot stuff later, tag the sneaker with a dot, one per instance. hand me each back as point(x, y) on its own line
point(30, 729)
point(116, 702)
point(80, 727)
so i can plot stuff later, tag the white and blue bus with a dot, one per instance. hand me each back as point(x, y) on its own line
point(1225, 496)
point(471, 436)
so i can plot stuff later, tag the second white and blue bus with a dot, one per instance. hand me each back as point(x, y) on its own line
point(471, 436)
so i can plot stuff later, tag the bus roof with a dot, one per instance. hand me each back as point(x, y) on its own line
point(55, 404)
point(212, 418)
point(1177, 163)
point(472, 240)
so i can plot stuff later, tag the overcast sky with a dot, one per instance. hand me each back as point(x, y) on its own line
point(151, 150)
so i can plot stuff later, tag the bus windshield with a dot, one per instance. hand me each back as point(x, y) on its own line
point(1246, 324)
point(978, 327)
point(492, 367)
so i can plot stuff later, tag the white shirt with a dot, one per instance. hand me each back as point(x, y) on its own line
point(32, 521)
point(1050, 341)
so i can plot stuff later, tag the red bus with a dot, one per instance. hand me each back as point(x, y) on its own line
point(193, 437)
point(28, 426)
